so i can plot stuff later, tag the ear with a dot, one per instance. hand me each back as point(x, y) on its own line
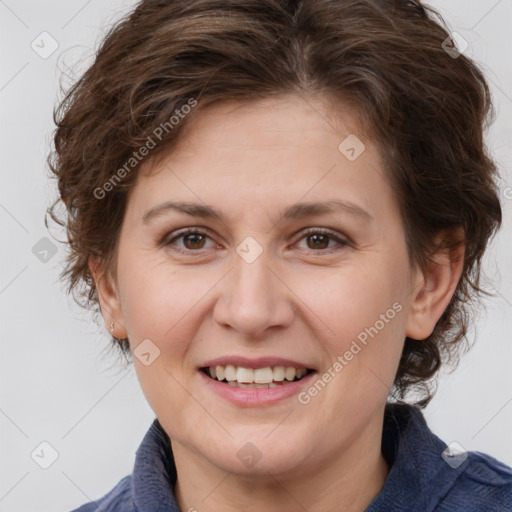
point(109, 298)
point(435, 286)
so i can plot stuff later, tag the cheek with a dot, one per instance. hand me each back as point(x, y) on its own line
point(362, 322)
point(348, 300)
point(163, 306)
point(157, 300)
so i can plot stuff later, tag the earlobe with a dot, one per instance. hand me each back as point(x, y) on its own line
point(109, 299)
point(434, 290)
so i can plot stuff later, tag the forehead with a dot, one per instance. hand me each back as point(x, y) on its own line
point(289, 119)
point(273, 151)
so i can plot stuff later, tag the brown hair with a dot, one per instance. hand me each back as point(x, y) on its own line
point(425, 106)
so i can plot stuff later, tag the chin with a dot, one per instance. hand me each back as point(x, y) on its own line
point(261, 457)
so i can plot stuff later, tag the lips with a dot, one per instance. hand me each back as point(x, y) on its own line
point(259, 395)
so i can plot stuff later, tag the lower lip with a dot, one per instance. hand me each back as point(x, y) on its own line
point(253, 397)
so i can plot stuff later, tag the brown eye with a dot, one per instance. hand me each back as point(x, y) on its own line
point(195, 241)
point(192, 240)
point(318, 240)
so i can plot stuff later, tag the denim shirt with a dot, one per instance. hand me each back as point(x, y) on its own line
point(420, 478)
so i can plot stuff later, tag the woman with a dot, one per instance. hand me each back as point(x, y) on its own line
point(281, 210)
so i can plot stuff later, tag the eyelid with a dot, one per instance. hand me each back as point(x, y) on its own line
point(180, 233)
point(324, 231)
point(341, 240)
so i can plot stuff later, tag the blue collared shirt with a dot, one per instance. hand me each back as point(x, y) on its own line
point(420, 479)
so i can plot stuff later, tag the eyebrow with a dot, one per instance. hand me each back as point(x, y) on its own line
point(294, 212)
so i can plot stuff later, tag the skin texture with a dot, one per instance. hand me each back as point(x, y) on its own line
point(297, 300)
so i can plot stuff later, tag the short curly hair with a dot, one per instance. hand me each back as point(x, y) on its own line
point(425, 104)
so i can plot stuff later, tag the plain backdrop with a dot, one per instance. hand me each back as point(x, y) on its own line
point(59, 387)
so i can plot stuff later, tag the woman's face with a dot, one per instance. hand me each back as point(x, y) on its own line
point(266, 282)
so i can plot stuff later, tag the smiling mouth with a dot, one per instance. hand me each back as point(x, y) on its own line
point(269, 377)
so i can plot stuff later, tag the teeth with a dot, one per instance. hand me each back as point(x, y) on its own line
point(219, 370)
point(230, 373)
point(263, 375)
point(235, 384)
point(289, 373)
point(279, 372)
point(244, 375)
point(255, 378)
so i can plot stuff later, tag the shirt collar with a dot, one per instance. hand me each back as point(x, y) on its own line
point(418, 474)
point(154, 473)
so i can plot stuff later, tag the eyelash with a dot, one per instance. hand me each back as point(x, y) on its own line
point(305, 234)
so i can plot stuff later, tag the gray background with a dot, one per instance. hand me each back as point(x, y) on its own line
point(58, 383)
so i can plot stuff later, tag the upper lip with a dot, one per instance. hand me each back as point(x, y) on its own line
point(259, 362)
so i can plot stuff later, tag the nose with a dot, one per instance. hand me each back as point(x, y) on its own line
point(254, 298)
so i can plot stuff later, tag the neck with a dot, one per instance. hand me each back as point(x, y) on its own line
point(347, 479)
